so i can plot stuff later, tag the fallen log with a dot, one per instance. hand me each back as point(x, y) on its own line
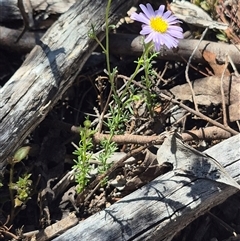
point(163, 207)
point(133, 46)
point(50, 69)
point(130, 44)
point(10, 11)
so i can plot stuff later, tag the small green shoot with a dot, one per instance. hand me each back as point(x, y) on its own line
point(20, 191)
point(84, 154)
point(23, 188)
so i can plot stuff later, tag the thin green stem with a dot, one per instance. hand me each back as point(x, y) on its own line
point(101, 45)
point(140, 63)
point(148, 84)
point(111, 74)
point(107, 41)
point(132, 77)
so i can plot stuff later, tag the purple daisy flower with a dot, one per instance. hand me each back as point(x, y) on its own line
point(159, 26)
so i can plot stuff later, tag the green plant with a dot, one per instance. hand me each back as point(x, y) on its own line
point(84, 154)
point(207, 5)
point(115, 123)
point(109, 148)
point(20, 191)
point(120, 110)
point(23, 188)
point(149, 76)
point(210, 7)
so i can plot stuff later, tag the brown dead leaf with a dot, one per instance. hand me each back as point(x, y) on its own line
point(208, 91)
point(234, 111)
point(217, 68)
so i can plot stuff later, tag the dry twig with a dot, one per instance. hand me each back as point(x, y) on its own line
point(223, 96)
point(187, 68)
point(197, 113)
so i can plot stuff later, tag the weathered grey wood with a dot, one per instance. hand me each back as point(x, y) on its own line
point(133, 46)
point(50, 69)
point(163, 207)
point(10, 11)
point(129, 44)
point(24, 45)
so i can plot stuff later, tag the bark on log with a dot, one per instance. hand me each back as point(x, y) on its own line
point(163, 207)
point(50, 69)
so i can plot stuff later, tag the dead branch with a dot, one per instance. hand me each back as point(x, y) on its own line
point(208, 133)
point(129, 44)
point(25, 45)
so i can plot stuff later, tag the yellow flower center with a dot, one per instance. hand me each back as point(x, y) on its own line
point(158, 24)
